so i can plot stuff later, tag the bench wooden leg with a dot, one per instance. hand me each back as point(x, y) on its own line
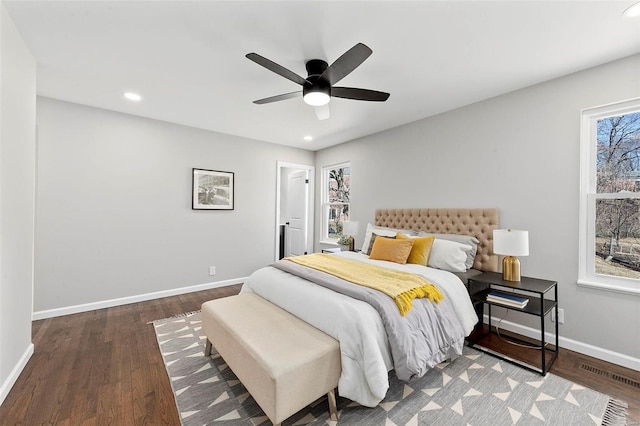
point(333, 409)
point(207, 348)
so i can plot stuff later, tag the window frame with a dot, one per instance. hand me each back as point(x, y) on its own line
point(324, 223)
point(589, 196)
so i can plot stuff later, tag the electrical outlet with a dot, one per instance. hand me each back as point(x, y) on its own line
point(560, 316)
point(212, 270)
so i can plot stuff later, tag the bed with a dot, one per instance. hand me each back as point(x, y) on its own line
point(369, 349)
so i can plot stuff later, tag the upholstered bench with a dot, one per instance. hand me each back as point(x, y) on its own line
point(285, 363)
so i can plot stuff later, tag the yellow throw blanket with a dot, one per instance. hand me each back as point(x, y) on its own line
point(402, 287)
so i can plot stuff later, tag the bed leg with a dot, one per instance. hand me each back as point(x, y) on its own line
point(207, 348)
point(333, 409)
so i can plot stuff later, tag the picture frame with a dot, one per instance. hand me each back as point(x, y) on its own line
point(212, 190)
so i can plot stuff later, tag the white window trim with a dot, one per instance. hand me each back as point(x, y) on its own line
point(586, 259)
point(324, 237)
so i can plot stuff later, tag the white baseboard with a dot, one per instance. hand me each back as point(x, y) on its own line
point(68, 310)
point(15, 373)
point(574, 345)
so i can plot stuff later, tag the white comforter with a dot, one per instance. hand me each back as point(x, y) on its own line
point(365, 354)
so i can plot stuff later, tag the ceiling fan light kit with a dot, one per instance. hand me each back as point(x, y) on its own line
point(316, 98)
point(318, 87)
point(316, 91)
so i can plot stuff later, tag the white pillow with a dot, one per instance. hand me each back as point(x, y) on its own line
point(382, 231)
point(448, 255)
point(464, 239)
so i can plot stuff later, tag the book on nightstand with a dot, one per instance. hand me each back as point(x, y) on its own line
point(507, 299)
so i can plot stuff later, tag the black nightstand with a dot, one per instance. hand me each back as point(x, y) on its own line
point(328, 251)
point(532, 289)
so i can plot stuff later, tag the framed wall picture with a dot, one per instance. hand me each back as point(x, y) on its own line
point(212, 190)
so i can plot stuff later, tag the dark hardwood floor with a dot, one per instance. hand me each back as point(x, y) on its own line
point(104, 367)
point(101, 367)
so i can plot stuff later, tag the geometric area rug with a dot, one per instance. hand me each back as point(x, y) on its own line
point(475, 389)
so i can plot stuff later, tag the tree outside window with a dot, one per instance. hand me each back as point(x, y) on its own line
point(617, 196)
point(337, 199)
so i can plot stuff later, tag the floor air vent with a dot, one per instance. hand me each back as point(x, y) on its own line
point(593, 369)
point(625, 380)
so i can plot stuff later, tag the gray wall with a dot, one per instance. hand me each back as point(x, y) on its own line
point(518, 152)
point(114, 215)
point(17, 189)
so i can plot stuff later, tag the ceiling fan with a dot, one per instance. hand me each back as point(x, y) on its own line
point(318, 87)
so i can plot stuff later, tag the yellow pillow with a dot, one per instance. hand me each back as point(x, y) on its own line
point(421, 248)
point(391, 249)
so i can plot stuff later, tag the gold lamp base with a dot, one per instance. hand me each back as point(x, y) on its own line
point(511, 268)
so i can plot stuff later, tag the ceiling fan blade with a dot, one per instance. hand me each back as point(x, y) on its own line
point(359, 94)
point(278, 98)
point(323, 112)
point(278, 69)
point(346, 63)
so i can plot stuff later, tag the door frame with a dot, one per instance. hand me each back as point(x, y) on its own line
point(310, 211)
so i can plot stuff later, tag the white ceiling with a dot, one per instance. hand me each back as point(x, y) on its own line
point(187, 59)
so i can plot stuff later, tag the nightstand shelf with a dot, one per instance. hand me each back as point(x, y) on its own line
point(533, 307)
point(532, 289)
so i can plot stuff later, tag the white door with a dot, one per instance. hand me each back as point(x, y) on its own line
point(297, 202)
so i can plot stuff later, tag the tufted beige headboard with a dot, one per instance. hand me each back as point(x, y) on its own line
point(477, 222)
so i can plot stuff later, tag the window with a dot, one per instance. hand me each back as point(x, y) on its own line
point(336, 183)
point(610, 198)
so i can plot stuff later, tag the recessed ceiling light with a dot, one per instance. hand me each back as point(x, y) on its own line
point(308, 138)
point(632, 11)
point(132, 96)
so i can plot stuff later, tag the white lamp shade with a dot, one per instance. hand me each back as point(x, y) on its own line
point(350, 228)
point(511, 242)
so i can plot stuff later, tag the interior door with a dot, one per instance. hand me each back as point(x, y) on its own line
point(297, 205)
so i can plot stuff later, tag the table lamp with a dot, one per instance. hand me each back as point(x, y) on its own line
point(351, 229)
point(511, 243)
